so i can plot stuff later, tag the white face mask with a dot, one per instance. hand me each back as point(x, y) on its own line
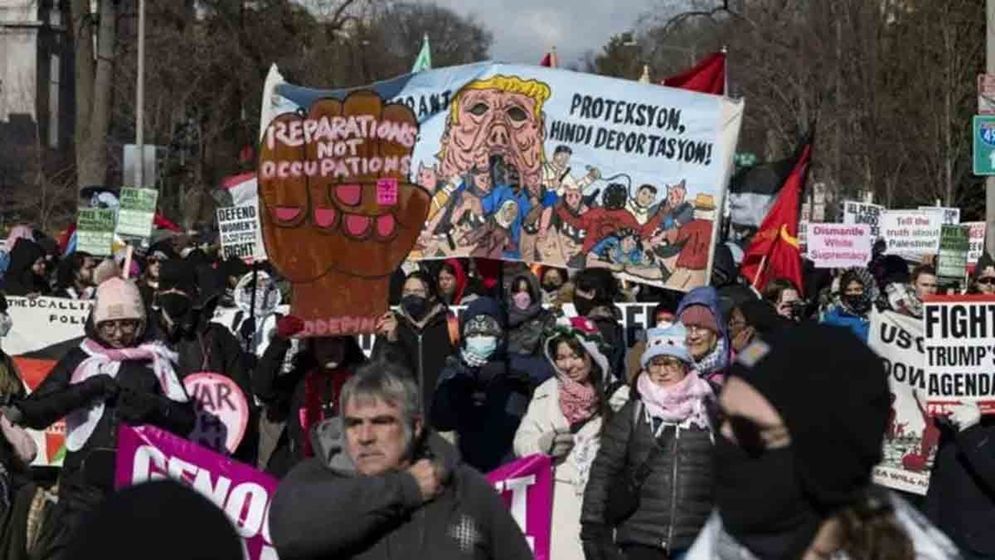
point(5, 324)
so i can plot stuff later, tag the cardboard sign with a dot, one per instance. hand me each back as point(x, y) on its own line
point(587, 171)
point(960, 349)
point(147, 453)
point(911, 438)
point(526, 486)
point(951, 263)
point(95, 231)
point(239, 231)
point(136, 213)
point(911, 234)
point(839, 245)
point(863, 213)
point(222, 411)
point(976, 237)
point(338, 212)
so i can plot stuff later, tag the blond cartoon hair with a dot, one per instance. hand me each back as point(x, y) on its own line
point(535, 89)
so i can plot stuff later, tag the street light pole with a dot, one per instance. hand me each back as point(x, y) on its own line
point(140, 99)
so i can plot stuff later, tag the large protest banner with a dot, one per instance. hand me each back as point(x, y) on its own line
point(43, 330)
point(147, 453)
point(863, 213)
point(839, 245)
point(911, 234)
point(541, 165)
point(960, 349)
point(526, 486)
point(911, 438)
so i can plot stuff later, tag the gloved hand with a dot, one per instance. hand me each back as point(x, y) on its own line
point(965, 415)
point(248, 328)
point(135, 406)
point(556, 443)
point(101, 387)
point(288, 325)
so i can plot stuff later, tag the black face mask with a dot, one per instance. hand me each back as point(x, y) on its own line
point(550, 287)
point(858, 304)
point(583, 306)
point(415, 306)
point(761, 502)
point(178, 313)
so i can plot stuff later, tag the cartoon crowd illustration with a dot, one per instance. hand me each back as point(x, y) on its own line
point(496, 194)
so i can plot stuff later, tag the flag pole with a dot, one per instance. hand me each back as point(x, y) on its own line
point(725, 72)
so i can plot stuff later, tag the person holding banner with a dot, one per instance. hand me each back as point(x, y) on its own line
point(853, 303)
point(111, 377)
point(794, 455)
point(564, 421)
point(961, 496)
point(383, 486)
point(652, 478)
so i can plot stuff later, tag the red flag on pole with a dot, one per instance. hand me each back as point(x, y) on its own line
point(549, 60)
point(708, 76)
point(774, 250)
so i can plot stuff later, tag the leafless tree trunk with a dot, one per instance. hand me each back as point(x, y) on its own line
point(94, 81)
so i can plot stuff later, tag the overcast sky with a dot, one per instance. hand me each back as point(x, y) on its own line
point(525, 29)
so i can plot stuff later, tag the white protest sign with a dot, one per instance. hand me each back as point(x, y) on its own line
point(960, 349)
point(911, 438)
point(911, 234)
point(839, 245)
point(863, 213)
point(950, 216)
point(238, 227)
point(976, 236)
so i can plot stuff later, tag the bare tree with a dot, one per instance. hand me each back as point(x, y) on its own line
point(94, 35)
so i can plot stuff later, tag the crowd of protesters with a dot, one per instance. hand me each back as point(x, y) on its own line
point(744, 423)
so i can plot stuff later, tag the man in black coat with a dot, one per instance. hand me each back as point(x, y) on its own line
point(383, 486)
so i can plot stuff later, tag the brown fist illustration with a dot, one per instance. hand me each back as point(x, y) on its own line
point(338, 212)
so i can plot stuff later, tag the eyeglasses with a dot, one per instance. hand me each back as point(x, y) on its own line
point(667, 362)
point(987, 280)
point(124, 326)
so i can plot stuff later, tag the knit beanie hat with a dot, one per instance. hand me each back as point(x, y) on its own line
point(117, 298)
point(587, 333)
point(666, 342)
point(835, 407)
point(699, 316)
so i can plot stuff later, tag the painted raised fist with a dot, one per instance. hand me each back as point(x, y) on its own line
point(338, 212)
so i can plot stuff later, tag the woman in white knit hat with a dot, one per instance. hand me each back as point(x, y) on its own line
point(111, 377)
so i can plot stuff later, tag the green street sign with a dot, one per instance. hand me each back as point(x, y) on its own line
point(984, 144)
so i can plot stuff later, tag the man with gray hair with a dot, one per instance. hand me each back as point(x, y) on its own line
point(382, 485)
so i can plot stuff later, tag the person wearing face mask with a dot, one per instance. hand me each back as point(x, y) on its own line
point(707, 339)
point(183, 308)
point(113, 376)
point(527, 318)
point(564, 421)
point(652, 477)
point(857, 293)
point(308, 393)
point(482, 392)
point(752, 319)
point(983, 279)
point(420, 335)
point(595, 292)
point(552, 279)
point(27, 272)
point(793, 466)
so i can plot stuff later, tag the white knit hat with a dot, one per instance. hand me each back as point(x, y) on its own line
point(118, 299)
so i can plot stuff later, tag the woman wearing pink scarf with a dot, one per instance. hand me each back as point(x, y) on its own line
point(564, 421)
point(111, 377)
point(658, 450)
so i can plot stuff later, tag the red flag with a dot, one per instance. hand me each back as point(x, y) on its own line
point(549, 60)
point(708, 76)
point(774, 251)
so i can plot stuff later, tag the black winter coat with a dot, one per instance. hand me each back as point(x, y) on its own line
point(961, 497)
point(675, 499)
point(423, 351)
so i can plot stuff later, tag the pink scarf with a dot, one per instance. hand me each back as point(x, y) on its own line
point(578, 402)
point(677, 403)
point(80, 423)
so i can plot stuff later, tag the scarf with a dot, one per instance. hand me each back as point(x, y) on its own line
point(321, 398)
point(578, 402)
point(518, 316)
point(678, 403)
point(715, 362)
point(81, 422)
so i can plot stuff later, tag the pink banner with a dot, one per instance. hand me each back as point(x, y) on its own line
point(526, 486)
point(242, 492)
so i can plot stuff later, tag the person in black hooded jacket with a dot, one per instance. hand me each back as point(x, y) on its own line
point(483, 392)
point(528, 320)
point(111, 377)
point(595, 292)
point(26, 273)
point(420, 335)
point(306, 394)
